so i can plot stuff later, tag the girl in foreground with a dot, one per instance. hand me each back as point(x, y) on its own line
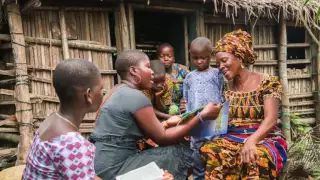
point(58, 150)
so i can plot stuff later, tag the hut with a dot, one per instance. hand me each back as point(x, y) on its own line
point(36, 34)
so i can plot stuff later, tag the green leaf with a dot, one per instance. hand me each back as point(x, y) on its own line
point(307, 129)
point(306, 2)
point(298, 123)
point(318, 14)
point(300, 128)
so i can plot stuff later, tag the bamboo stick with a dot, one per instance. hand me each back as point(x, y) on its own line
point(302, 76)
point(131, 27)
point(23, 105)
point(64, 38)
point(7, 152)
point(285, 117)
point(251, 31)
point(87, 33)
point(7, 72)
point(186, 41)
point(201, 22)
point(299, 61)
point(88, 9)
point(6, 92)
point(163, 8)
point(9, 137)
point(9, 117)
point(88, 45)
point(124, 27)
point(301, 95)
point(51, 61)
point(317, 92)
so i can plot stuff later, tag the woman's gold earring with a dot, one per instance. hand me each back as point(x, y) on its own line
point(242, 66)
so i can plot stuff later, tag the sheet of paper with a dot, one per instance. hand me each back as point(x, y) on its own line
point(148, 172)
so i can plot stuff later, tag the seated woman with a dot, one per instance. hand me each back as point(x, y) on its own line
point(253, 148)
point(127, 115)
point(58, 150)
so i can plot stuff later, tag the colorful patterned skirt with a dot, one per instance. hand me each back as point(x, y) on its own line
point(222, 159)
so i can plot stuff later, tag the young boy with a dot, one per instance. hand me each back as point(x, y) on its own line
point(161, 92)
point(201, 86)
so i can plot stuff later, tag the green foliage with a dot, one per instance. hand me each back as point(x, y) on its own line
point(299, 128)
point(317, 18)
point(316, 174)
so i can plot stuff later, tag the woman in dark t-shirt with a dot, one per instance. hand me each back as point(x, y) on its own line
point(127, 115)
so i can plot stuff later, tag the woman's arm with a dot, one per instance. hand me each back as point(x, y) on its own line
point(97, 178)
point(149, 123)
point(161, 115)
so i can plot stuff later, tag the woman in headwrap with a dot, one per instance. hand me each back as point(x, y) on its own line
point(253, 147)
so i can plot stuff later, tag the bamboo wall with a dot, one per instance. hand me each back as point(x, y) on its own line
point(88, 33)
point(300, 79)
point(91, 27)
point(265, 36)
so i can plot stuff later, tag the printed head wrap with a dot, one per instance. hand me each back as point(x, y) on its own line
point(238, 43)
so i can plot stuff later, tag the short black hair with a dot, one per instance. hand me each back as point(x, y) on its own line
point(202, 42)
point(71, 74)
point(158, 67)
point(163, 45)
point(127, 59)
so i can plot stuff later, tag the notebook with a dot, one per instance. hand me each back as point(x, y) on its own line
point(148, 172)
point(218, 126)
point(212, 127)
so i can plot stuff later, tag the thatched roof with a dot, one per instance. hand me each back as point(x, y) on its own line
point(296, 9)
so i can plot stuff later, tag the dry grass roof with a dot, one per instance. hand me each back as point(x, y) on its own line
point(296, 9)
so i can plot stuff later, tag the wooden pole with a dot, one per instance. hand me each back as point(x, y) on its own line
point(201, 23)
point(131, 27)
point(317, 92)
point(124, 31)
point(64, 37)
point(285, 115)
point(186, 41)
point(22, 98)
point(85, 45)
point(251, 31)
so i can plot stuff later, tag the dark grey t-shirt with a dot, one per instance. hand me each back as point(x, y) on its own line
point(116, 116)
point(117, 130)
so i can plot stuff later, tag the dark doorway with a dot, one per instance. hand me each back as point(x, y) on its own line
point(154, 28)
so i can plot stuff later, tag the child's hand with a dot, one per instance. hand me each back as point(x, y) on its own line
point(167, 176)
point(183, 103)
point(164, 88)
point(180, 81)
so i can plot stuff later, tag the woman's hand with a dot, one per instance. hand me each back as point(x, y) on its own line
point(249, 154)
point(211, 111)
point(173, 120)
point(183, 104)
point(167, 176)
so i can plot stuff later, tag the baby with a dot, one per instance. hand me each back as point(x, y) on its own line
point(161, 92)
